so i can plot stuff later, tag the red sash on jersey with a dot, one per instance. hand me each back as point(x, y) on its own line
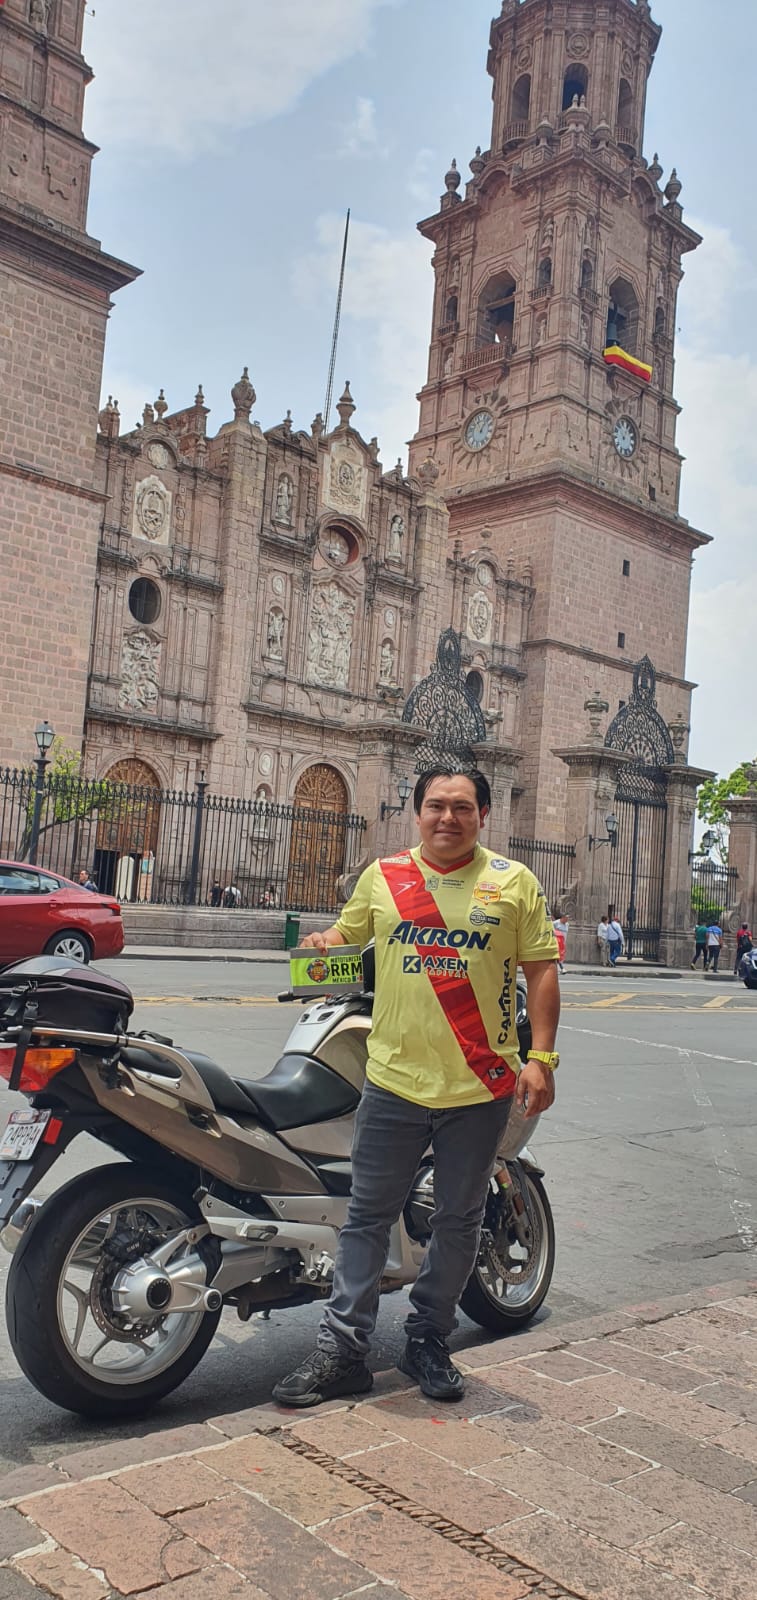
point(455, 995)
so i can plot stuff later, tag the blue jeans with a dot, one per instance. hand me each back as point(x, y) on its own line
point(391, 1137)
point(615, 947)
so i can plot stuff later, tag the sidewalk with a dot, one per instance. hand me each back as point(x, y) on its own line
point(615, 1460)
point(161, 952)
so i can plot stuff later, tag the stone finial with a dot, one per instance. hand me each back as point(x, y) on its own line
point(452, 179)
point(148, 415)
point(346, 406)
point(655, 168)
point(109, 419)
point(678, 730)
point(243, 396)
point(428, 474)
point(316, 426)
point(477, 163)
point(673, 188)
point(596, 708)
point(161, 406)
point(199, 397)
point(374, 450)
point(287, 423)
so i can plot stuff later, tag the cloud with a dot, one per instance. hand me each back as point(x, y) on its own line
point(419, 184)
point(387, 309)
point(360, 136)
point(177, 76)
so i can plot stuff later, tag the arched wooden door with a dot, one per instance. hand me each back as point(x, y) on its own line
point(319, 831)
point(128, 830)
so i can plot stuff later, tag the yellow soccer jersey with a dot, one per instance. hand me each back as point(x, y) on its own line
point(448, 946)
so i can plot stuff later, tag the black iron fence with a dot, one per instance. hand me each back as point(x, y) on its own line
point(553, 864)
point(168, 847)
point(714, 890)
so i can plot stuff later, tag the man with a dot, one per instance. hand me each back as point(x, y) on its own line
point(561, 927)
point(714, 945)
point(451, 922)
point(603, 942)
point(85, 882)
point(743, 944)
point(700, 945)
point(615, 941)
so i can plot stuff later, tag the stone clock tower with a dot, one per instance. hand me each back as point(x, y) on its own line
point(563, 244)
point(55, 288)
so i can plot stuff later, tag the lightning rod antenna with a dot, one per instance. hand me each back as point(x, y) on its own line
point(335, 341)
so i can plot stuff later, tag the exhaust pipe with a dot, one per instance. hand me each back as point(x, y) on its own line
point(14, 1230)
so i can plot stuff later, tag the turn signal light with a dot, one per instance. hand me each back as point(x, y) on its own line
point(40, 1065)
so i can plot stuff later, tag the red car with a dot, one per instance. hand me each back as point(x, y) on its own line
point(44, 914)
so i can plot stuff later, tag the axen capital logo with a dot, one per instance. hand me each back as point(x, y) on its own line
point(443, 938)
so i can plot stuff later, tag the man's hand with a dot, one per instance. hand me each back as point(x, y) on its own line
point(322, 942)
point(535, 1089)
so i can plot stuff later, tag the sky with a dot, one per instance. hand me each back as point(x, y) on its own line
point(234, 134)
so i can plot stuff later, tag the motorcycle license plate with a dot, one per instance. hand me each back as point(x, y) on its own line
point(23, 1134)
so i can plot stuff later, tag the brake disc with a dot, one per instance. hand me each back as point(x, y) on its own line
point(505, 1267)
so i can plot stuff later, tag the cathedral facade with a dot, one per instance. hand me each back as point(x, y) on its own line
point(270, 606)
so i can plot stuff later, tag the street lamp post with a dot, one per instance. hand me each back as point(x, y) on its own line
point(43, 735)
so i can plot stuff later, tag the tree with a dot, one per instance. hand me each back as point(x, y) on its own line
point(713, 798)
point(68, 796)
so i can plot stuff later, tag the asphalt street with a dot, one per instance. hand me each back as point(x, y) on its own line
point(650, 1156)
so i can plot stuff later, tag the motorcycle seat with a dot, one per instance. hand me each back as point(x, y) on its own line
point(298, 1091)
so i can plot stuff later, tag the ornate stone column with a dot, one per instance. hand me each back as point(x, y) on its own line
point(743, 850)
point(593, 774)
point(677, 923)
point(500, 765)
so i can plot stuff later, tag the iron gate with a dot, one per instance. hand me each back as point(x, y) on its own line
point(638, 859)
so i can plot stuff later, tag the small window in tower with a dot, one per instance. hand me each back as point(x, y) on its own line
point(452, 309)
point(144, 600)
point(520, 105)
point(623, 316)
point(626, 113)
point(626, 569)
point(575, 86)
point(544, 277)
point(474, 683)
point(660, 323)
point(587, 276)
point(621, 641)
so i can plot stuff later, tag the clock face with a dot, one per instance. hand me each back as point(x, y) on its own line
point(479, 430)
point(625, 437)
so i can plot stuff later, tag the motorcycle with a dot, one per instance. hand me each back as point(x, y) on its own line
point(747, 969)
point(232, 1193)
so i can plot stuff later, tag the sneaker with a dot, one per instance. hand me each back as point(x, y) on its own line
point(428, 1362)
point(323, 1376)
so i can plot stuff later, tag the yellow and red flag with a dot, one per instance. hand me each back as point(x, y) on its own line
point(615, 357)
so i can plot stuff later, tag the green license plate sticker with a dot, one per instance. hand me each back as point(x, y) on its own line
point(339, 972)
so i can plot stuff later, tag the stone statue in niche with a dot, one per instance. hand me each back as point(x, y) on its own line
point(284, 498)
point(479, 616)
point(386, 663)
point(140, 670)
point(330, 636)
point(548, 234)
point(39, 14)
point(275, 634)
point(396, 536)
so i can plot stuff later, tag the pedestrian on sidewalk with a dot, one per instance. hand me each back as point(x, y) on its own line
point(700, 945)
point(603, 942)
point(561, 927)
point(443, 1069)
point(743, 944)
point(714, 945)
point(616, 942)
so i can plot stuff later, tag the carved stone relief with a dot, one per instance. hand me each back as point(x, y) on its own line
point(344, 479)
point(152, 511)
point(140, 673)
point(484, 576)
point(480, 617)
point(278, 584)
point(275, 633)
point(158, 455)
point(330, 636)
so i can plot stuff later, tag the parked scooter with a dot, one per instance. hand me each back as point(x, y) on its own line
point(232, 1193)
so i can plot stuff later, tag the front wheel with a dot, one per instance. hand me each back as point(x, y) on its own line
point(71, 945)
point(750, 983)
point(67, 1335)
point(512, 1275)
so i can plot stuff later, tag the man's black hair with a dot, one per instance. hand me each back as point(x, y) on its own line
point(480, 784)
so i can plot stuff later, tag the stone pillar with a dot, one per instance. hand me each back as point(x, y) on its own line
point(593, 774)
point(386, 754)
point(499, 764)
point(677, 922)
point(743, 850)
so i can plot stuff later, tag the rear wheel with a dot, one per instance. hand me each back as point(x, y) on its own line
point(71, 945)
point(512, 1275)
point(67, 1334)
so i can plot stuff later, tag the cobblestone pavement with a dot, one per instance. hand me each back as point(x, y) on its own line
point(615, 1459)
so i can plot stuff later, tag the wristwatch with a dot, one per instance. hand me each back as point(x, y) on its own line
point(548, 1058)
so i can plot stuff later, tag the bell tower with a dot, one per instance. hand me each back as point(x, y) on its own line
point(55, 288)
point(549, 404)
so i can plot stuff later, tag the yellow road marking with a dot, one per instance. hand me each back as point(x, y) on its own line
point(719, 1001)
point(614, 1000)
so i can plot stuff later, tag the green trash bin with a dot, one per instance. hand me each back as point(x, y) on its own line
point(291, 931)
